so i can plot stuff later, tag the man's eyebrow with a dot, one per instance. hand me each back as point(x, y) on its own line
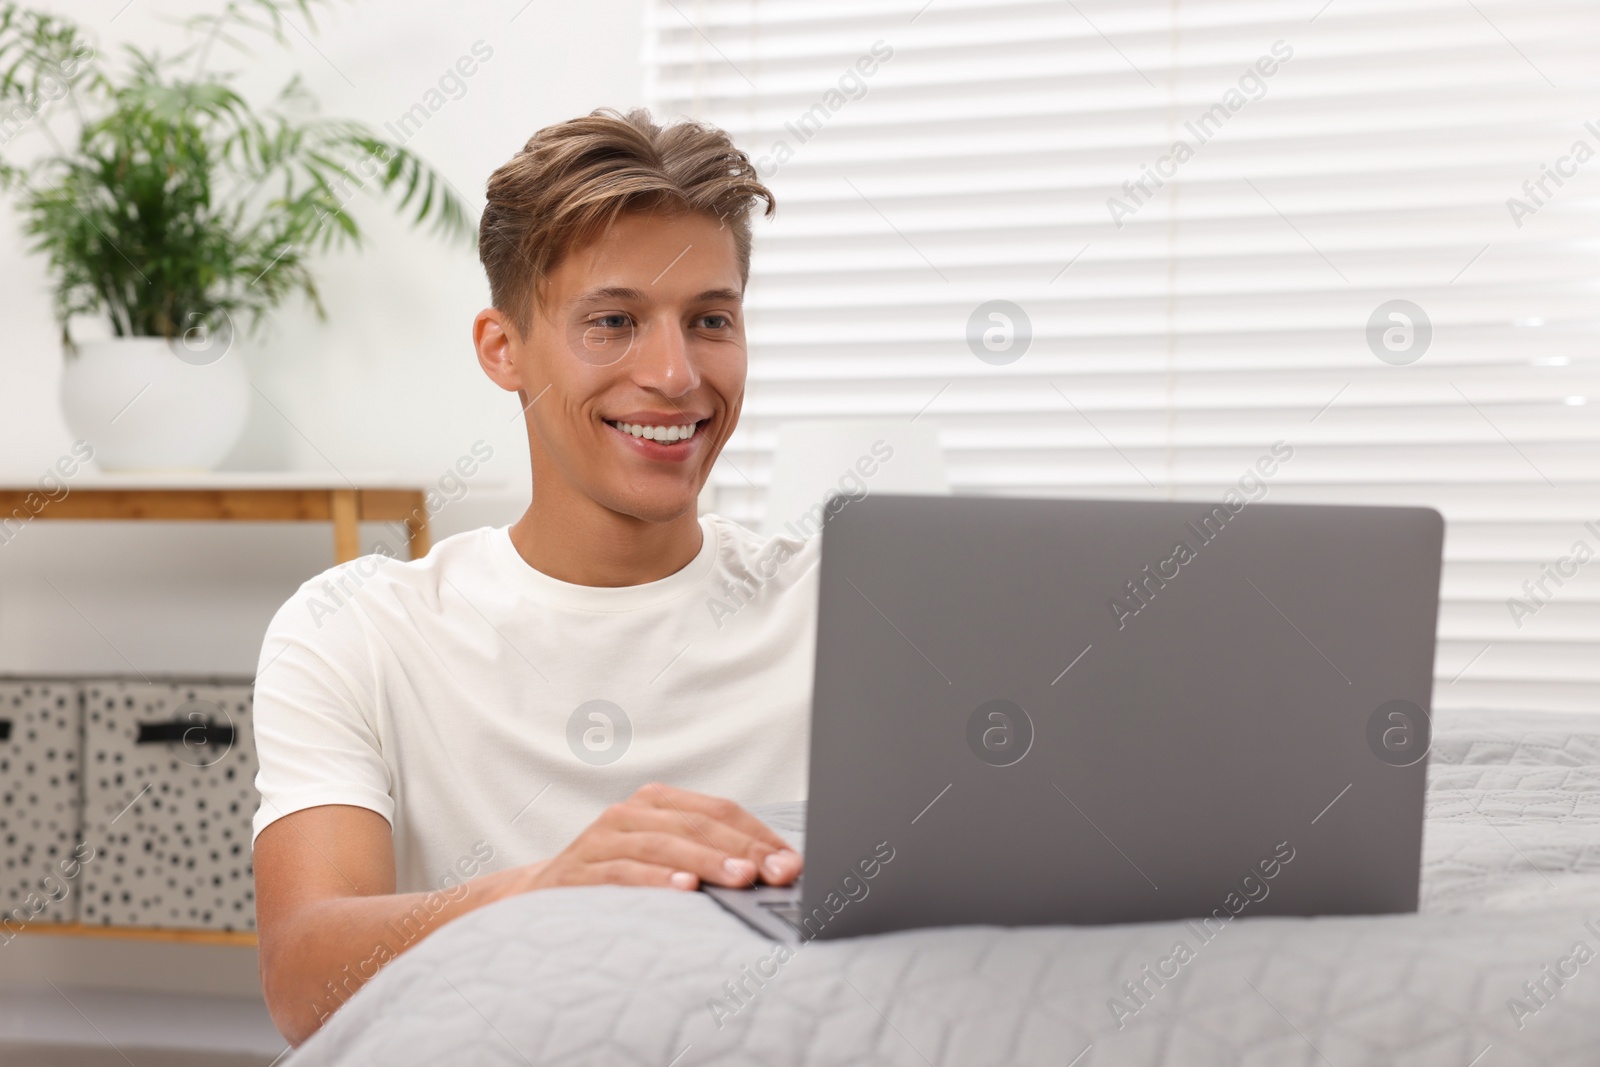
point(623, 293)
point(608, 292)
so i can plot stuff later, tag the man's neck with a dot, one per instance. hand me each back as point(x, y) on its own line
point(584, 543)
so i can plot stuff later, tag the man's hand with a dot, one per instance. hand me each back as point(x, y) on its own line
point(664, 836)
point(325, 885)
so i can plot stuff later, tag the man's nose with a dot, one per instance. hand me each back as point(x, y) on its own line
point(664, 362)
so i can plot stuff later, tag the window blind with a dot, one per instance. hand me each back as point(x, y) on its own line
point(1367, 230)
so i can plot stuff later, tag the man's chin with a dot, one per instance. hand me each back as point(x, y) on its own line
point(658, 507)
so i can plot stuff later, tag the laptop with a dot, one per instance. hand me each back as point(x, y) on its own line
point(1070, 711)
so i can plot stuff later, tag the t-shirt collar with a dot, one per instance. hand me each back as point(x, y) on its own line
point(538, 586)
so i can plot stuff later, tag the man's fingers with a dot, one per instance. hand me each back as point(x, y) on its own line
point(718, 808)
point(671, 849)
point(672, 837)
point(782, 867)
point(700, 828)
point(778, 865)
point(634, 872)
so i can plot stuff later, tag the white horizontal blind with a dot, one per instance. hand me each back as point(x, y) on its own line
point(1178, 333)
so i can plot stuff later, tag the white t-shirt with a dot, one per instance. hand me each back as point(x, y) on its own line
point(467, 697)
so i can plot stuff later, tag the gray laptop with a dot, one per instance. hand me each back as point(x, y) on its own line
point(1066, 711)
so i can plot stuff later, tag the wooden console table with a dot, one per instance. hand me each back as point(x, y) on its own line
point(236, 497)
point(182, 935)
point(223, 497)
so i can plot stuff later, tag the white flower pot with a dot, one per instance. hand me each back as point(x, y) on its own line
point(148, 404)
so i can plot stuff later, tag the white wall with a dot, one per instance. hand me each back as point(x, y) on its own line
point(387, 383)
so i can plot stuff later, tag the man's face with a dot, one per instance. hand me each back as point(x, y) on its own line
point(633, 364)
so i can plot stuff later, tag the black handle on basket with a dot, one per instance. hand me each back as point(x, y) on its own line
point(190, 733)
point(5, 729)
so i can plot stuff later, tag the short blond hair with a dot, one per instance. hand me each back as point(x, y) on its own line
point(572, 180)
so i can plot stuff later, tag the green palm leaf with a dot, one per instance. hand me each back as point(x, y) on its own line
point(179, 201)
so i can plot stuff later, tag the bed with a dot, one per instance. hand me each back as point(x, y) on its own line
point(1500, 966)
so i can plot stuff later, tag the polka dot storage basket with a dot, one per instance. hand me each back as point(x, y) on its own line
point(39, 803)
point(168, 794)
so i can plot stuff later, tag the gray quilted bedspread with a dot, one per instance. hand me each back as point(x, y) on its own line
point(1496, 969)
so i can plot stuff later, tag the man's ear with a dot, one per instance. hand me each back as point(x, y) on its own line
point(493, 335)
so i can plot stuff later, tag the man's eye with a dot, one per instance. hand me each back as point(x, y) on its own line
point(715, 322)
point(614, 321)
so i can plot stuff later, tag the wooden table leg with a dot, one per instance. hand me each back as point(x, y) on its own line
point(346, 525)
point(417, 538)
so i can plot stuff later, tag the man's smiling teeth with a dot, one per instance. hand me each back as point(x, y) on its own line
point(667, 434)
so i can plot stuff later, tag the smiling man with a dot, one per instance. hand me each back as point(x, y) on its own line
point(548, 704)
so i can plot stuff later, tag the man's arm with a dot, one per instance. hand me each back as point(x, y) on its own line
point(328, 914)
point(329, 917)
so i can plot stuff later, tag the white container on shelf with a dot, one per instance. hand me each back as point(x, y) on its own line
point(147, 404)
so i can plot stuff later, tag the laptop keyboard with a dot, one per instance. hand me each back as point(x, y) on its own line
point(787, 910)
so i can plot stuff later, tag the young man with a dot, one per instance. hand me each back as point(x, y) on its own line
point(558, 702)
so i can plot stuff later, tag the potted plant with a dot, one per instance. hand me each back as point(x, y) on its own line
point(181, 214)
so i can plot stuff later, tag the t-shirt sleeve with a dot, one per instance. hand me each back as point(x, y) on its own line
point(315, 712)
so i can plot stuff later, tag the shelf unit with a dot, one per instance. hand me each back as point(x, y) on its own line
point(236, 497)
point(265, 496)
point(237, 938)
